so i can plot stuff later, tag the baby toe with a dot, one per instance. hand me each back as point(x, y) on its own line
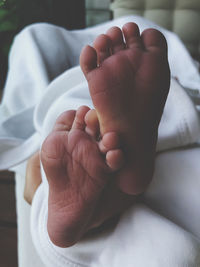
point(79, 122)
point(115, 159)
point(88, 59)
point(102, 44)
point(109, 141)
point(132, 35)
point(153, 39)
point(92, 123)
point(116, 37)
point(64, 121)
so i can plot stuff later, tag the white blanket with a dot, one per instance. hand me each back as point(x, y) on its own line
point(158, 232)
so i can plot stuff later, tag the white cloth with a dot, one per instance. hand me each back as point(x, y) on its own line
point(27, 253)
point(34, 98)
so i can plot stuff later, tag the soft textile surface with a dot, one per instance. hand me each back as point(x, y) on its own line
point(27, 254)
point(158, 232)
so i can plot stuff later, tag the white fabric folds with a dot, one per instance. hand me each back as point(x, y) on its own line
point(43, 81)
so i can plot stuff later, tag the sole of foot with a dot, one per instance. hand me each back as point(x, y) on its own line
point(128, 77)
point(77, 173)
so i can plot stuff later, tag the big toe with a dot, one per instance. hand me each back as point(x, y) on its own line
point(64, 121)
point(153, 39)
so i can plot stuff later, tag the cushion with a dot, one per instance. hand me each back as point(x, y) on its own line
point(97, 11)
point(180, 16)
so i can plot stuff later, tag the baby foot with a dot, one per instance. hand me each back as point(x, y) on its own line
point(129, 84)
point(77, 173)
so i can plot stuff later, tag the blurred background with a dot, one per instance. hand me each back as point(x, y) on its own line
point(16, 14)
